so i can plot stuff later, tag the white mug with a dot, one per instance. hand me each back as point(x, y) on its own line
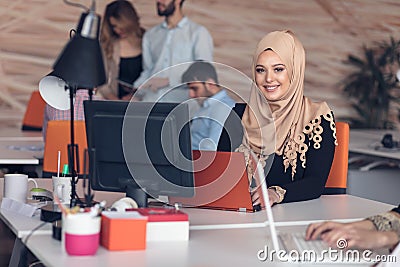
point(16, 186)
point(62, 188)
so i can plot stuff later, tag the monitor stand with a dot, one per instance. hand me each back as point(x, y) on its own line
point(137, 194)
point(134, 191)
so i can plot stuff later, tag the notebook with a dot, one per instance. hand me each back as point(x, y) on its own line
point(221, 182)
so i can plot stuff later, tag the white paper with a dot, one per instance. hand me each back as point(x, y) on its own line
point(18, 207)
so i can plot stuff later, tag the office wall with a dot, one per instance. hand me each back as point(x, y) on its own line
point(32, 34)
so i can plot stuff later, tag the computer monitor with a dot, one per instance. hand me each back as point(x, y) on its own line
point(139, 148)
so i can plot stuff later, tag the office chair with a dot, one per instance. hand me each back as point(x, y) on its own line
point(33, 118)
point(337, 179)
point(57, 139)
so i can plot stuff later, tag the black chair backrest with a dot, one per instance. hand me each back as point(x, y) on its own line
point(232, 133)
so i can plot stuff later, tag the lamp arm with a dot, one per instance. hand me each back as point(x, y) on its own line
point(71, 149)
point(90, 91)
point(77, 4)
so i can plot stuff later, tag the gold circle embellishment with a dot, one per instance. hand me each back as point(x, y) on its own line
point(291, 154)
point(318, 130)
point(308, 128)
point(317, 138)
point(300, 138)
point(303, 148)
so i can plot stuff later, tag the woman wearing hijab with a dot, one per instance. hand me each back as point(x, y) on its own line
point(291, 135)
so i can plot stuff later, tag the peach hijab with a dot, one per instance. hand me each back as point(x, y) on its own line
point(286, 121)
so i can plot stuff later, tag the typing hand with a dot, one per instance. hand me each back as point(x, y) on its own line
point(361, 238)
point(273, 196)
point(350, 235)
point(315, 230)
point(360, 234)
point(256, 199)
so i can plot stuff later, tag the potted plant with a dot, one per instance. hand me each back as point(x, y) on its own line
point(373, 86)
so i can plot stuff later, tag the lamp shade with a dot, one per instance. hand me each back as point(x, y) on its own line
point(81, 64)
point(54, 92)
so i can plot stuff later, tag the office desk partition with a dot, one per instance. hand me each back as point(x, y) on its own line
point(229, 244)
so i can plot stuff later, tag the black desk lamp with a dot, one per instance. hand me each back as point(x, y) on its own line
point(80, 66)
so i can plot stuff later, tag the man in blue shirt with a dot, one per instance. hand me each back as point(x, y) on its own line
point(215, 105)
point(165, 46)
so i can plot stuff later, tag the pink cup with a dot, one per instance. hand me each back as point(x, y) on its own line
point(81, 233)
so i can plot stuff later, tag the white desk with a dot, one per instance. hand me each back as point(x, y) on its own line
point(373, 154)
point(327, 207)
point(211, 248)
point(221, 247)
point(16, 134)
point(365, 141)
point(21, 225)
point(21, 152)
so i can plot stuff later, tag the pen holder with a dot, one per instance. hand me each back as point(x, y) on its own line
point(81, 233)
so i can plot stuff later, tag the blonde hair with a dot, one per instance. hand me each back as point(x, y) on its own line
point(123, 11)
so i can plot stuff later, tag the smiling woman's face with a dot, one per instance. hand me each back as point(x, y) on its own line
point(271, 75)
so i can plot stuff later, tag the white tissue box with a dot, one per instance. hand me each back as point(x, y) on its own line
point(165, 224)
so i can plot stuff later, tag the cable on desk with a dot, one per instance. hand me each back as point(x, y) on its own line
point(35, 263)
point(33, 230)
point(27, 238)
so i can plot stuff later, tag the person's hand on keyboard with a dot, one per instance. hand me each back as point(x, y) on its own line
point(361, 234)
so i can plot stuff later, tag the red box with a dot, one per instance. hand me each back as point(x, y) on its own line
point(162, 214)
point(123, 231)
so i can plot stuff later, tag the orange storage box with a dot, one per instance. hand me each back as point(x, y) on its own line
point(123, 231)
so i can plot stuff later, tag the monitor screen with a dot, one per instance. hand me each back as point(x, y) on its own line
point(139, 148)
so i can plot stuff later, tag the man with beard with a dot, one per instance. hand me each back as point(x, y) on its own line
point(175, 41)
point(214, 103)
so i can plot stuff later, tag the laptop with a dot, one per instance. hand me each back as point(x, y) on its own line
point(221, 182)
point(297, 250)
